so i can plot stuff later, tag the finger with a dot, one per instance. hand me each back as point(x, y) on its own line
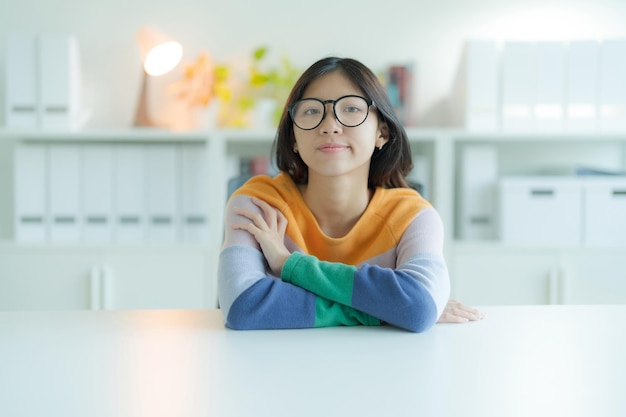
point(253, 216)
point(451, 318)
point(460, 312)
point(468, 309)
point(475, 314)
point(275, 219)
point(454, 303)
point(470, 314)
point(282, 223)
point(249, 227)
point(269, 212)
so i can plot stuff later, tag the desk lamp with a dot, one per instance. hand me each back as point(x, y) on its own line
point(159, 55)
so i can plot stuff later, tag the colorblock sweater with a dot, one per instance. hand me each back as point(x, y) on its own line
point(389, 269)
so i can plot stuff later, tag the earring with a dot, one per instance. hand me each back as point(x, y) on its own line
point(380, 147)
point(295, 149)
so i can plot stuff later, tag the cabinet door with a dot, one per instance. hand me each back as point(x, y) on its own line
point(595, 277)
point(502, 276)
point(34, 279)
point(171, 278)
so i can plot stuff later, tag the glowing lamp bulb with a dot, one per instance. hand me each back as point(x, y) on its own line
point(163, 58)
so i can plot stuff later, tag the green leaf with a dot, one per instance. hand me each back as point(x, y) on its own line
point(259, 53)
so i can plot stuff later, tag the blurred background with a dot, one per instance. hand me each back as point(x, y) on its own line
point(429, 35)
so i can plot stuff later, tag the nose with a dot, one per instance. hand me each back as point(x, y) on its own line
point(330, 124)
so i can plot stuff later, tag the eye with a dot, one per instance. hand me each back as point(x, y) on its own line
point(351, 109)
point(307, 108)
point(352, 105)
point(310, 111)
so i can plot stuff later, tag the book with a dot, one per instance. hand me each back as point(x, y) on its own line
point(399, 85)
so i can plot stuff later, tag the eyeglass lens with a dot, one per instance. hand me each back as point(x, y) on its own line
point(350, 111)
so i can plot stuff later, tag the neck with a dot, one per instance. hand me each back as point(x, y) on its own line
point(337, 204)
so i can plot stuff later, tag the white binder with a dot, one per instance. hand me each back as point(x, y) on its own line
point(97, 193)
point(64, 185)
point(478, 182)
point(194, 189)
point(582, 86)
point(481, 112)
point(549, 88)
point(128, 193)
point(162, 199)
point(30, 191)
point(518, 85)
point(613, 85)
point(22, 93)
point(59, 81)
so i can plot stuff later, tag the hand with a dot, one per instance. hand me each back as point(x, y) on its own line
point(268, 228)
point(457, 312)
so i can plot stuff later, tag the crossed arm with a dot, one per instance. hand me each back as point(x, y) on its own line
point(306, 295)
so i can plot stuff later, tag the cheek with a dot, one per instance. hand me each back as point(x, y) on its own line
point(299, 146)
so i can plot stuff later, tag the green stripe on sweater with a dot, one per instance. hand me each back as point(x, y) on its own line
point(332, 283)
point(331, 280)
point(328, 313)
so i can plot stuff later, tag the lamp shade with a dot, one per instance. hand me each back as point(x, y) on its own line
point(159, 54)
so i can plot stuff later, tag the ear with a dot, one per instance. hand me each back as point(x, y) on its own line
point(382, 135)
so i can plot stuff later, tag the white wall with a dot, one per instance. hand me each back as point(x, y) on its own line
point(426, 32)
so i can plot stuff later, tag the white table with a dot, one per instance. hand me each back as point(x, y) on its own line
point(520, 361)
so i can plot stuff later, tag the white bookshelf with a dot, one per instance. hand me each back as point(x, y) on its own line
point(482, 272)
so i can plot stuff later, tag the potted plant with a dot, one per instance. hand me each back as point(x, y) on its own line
point(199, 92)
point(268, 87)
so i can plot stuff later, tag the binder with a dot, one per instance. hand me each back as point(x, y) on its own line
point(97, 193)
point(59, 81)
point(22, 96)
point(613, 85)
point(481, 113)
point(518, 85)
point(128, 193)
point(162, 192)
point(194, 183)
point(478, 182)
point(30, 193)
point(582, 86)
point(549, 88)
point(64, 185)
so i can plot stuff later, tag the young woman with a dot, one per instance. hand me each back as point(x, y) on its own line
point(338, 237)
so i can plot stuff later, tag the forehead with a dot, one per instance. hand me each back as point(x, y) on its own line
point(331, 86)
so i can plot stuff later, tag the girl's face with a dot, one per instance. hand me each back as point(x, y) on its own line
point(332, 149)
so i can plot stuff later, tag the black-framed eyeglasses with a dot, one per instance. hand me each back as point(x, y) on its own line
point(350, 111)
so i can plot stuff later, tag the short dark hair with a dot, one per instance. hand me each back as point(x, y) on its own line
point(389, 166)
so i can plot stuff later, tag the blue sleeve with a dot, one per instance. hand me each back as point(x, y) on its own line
point(272, 304)
point(251, 299)
point(393, 296)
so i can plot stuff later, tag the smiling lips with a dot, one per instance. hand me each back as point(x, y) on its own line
point(332, 148)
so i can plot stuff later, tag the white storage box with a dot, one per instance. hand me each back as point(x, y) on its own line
point(541, 210)
point(605, 211)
